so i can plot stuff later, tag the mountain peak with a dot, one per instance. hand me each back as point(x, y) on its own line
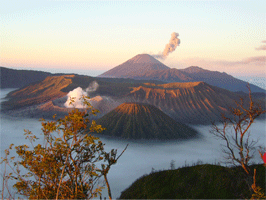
point(143, 121)
point(135, 66)
point(193, 69)
point(144, 58)
point(132, 108)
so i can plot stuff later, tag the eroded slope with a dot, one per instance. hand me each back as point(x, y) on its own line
point(143, 121)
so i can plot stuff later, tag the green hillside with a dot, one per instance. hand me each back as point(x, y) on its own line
point(196, 182)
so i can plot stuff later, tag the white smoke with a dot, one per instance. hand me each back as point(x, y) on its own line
point(78, 93)
point(170, 47)
point(92, 87)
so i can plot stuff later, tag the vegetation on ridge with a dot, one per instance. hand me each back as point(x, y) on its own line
point(195, 182)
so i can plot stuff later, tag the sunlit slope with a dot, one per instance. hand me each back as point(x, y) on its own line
point(143, 121)
point(46, 90)
point(54, 87)
point(193, 102)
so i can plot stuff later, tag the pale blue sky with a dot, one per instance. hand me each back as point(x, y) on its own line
point(99, 35)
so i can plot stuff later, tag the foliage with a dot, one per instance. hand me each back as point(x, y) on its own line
point(69, 163)
point(194, 182)
point(239, 149)
point(258, 192)
point(235, 132)
point(172, 165)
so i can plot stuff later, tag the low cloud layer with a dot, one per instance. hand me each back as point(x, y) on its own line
point(260, 60)
point(170, 47)
point(262, 47)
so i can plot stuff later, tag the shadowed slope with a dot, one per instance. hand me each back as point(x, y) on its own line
point(165, 75)
point(12, 78)
point(219, 79)
point(143, 121)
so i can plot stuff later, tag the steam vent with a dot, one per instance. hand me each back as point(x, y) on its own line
point(143, 121)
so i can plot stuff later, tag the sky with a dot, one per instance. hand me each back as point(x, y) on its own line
point(91, 37)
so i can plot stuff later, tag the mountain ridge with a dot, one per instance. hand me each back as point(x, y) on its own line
point(187, 102)
point(14, 78)
point(192, 102)
point(150, 71)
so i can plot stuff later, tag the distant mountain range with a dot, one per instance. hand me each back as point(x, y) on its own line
point(143, 121)
point(145, 67)
point(192, 95)
point(12, 78)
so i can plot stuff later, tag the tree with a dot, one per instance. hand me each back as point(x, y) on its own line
point(234, 131)
point(69, 163)
point(172, 165)
point(257, 191)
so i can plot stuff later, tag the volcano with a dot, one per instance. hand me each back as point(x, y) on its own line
point(146, 67)
point(135, 67)
point(192, 102)
point(143, 121)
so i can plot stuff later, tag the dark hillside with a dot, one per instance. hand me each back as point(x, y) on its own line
point(197, 182)
point(12, 78)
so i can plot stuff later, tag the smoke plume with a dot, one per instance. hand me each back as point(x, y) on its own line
point(92, 87)
point(78, 93)
point(170, 47)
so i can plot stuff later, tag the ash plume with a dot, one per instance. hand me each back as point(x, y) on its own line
point(170, 47)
